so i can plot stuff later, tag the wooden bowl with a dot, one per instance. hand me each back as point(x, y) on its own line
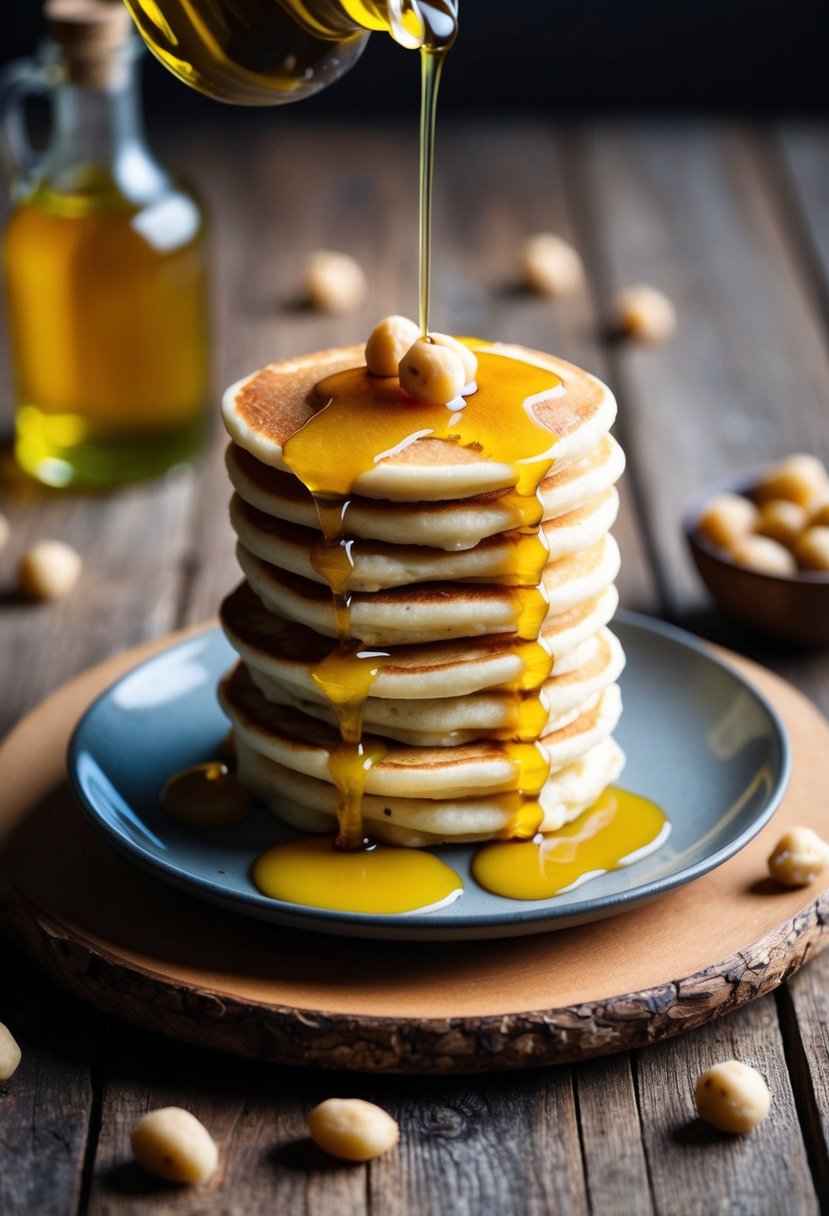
point(789, 608)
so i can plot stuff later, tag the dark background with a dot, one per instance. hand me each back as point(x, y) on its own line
point(742, 56)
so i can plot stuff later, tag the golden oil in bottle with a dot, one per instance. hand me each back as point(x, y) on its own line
point(105, 274)
point(264, 52)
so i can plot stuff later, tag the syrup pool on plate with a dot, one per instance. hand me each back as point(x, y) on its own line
point(617, 830)
point(379, 879)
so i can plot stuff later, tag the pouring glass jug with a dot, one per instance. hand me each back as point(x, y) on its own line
point(267, 52)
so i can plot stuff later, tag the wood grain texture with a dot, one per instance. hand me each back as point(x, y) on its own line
point(44, 1123)
point(701, 1172)
point(746, 377)
point(611, 1137)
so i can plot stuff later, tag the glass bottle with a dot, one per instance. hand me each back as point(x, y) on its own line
point(264, 52)
point(105, 268)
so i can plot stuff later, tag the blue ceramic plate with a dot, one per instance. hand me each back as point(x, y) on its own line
point(699, 740)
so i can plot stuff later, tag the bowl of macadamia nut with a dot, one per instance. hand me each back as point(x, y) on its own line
point(760, 541)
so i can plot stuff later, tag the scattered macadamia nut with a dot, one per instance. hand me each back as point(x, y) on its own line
point(10, 1055)
point(171, 1143)
point(432, 373)
point(352, 1129)
point(5, 531)
point(643, 313)
point(732, 1097)
point(49, 570)
point(551, 266)
point(334, 281)
point(799, 856)
point(812, 549)
point(763, 555)
point(782, 520)
point(388, 343)
point(727, 519)
point(467, 357)
point(801, 479)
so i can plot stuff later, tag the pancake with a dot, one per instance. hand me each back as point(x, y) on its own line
point(450, 720)
point(457, 524)
point(304, 743)
point(287, 651)
point(262, 411)
point(430, 612)
point(310, 805)
point(377, 566)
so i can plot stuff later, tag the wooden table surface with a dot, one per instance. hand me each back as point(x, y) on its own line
point(734, 224)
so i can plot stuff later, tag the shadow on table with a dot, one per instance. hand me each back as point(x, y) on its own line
point(128, 1178)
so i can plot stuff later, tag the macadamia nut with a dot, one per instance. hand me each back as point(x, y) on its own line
point(388, 343)
point(334, 282)
point(467, 357)
point(352, 1129)
point(49, 570)
point(802, 479)
point(763, 555)
point(550, 265)
point(812, 549)
point(644, 313)
point(727, 519)
point(171, 1143)
point(781, 520)
point(432, 373)
point(10, 1055)
point(732, 1097)
point(799, 856)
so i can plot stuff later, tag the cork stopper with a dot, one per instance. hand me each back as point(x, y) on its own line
point(90, 34)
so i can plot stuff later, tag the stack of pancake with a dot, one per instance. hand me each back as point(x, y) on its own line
point(432, 525)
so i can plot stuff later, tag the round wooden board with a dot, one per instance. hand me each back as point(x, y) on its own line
point(136, 948)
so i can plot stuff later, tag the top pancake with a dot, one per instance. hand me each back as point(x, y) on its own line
point(447, 524)
point(262, 412)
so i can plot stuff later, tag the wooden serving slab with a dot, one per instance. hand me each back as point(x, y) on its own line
point(136, 948)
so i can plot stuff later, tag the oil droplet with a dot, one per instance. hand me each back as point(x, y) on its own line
point(381, 880)
point(206, 796)
point(615, 831)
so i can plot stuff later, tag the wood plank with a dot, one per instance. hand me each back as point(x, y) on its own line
point(804, 1009)
point(46, 1107)
point(699, 1171)
point(802, 148)
point(133, 548)
point(746, 378)
point(255, 1114)
point(508, 1145)
point(611, 1138)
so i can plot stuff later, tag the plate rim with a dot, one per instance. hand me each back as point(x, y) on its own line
point(545, 917)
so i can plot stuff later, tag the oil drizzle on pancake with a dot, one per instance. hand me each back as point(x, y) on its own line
point(364, 419)
point(618, 829)
point(346, 675)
